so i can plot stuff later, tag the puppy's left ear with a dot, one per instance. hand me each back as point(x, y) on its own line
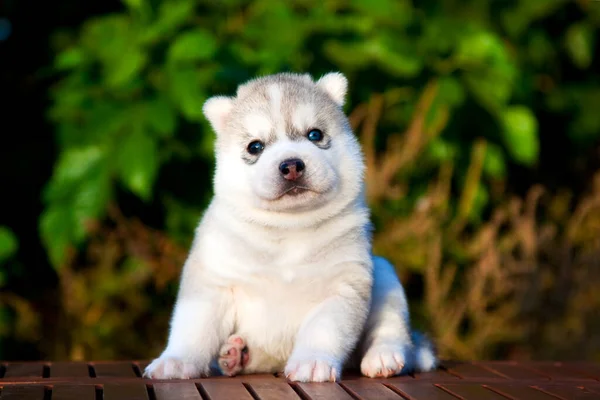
point(216, 109)
point(335, 85)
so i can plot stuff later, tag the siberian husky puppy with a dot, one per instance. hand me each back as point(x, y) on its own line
point(280, 276)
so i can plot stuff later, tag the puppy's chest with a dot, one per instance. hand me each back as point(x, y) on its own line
point(285, 260)
point(271, 312)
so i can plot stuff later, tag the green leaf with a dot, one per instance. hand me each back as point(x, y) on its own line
point(494, 164)
point(125, 67)
point(72, 167)
point(478, 48)
point(186, 92)
point(491, 89)
point(55, 229)
point(481, 199)
point(441, 150)
point(520, 133)
point(70, 58)
point(78, 192)
point(134, 4)
point(450, 91)
point(137, 158)
point(161, 116)
point(580, 44)
point(171, 15)
point(194, 45)
point(8, 243)
point(75, 163)
point(90, 199)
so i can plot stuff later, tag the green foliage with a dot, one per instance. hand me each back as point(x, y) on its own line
point(520, 134)
point(8, 243)
point(8, 246)
point(131, 79)
point(127, 105)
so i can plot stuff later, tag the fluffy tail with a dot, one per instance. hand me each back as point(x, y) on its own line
point(423, 357)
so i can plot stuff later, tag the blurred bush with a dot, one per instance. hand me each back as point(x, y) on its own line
point(448, 98)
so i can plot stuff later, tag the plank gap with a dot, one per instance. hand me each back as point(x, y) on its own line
point(91, 372)
point(99, 390)
point(251, 391)
point(451, 393)
point(150, 391)
point(202, 391)
point(443, 368)
point(393, 389)
point(2, 370)
point(136, 370)
point(45, 371)
point(350, 393)
point(47, 390)
point(299, 391)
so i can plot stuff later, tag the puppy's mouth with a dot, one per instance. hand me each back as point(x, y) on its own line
point(295, 190)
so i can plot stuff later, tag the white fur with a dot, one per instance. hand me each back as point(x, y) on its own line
point(258, 125)
point(216, 109)
point(336, 85)
point(291, 275)
point(303, 117)
point(275, 99)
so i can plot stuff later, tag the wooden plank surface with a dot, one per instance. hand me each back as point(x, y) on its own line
point(471, 371)
point(224, 389)
point(69, 391)
point(421, 391)
point(69, 369)
point(323, 391)
point(461, 380)
point(177, 390)
point(439, 374)
point(588, 368)
point(125, 391)
point(570, 392)
point(513, 371)
point(22, 392)
point(363, 389)
point(519, 392)
point(272, 389)
point(471, 391)
point(556, 371)
point(14, 370)
point(115, 369)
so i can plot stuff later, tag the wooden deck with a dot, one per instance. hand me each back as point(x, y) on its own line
point(482, 380)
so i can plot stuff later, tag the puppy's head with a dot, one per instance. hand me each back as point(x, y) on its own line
point(284, 145)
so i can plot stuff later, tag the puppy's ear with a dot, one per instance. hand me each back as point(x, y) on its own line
point(216, 109)
point(335, 85)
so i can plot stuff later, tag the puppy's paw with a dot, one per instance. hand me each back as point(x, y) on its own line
point(383, 361)
point(312, 369)
point(233, 356)
point(173, 368)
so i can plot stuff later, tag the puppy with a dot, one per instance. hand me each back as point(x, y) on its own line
point(280, 276)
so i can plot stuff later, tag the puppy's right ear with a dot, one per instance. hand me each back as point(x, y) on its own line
point(216, 109)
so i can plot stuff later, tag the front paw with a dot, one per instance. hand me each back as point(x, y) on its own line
point(312, 368)
point(173, 368)
point(383, 361)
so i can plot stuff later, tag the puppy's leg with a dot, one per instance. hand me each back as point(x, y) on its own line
point(386, 342)
point(330, 332)
point(387, 345)
point(202, 320)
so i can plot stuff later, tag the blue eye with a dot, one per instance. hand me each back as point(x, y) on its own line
point(315, 135)
point(255, 147)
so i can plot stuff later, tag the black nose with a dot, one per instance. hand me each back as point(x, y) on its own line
point(292, 169)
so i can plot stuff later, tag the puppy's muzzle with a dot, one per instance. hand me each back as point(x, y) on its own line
point(292, 169)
